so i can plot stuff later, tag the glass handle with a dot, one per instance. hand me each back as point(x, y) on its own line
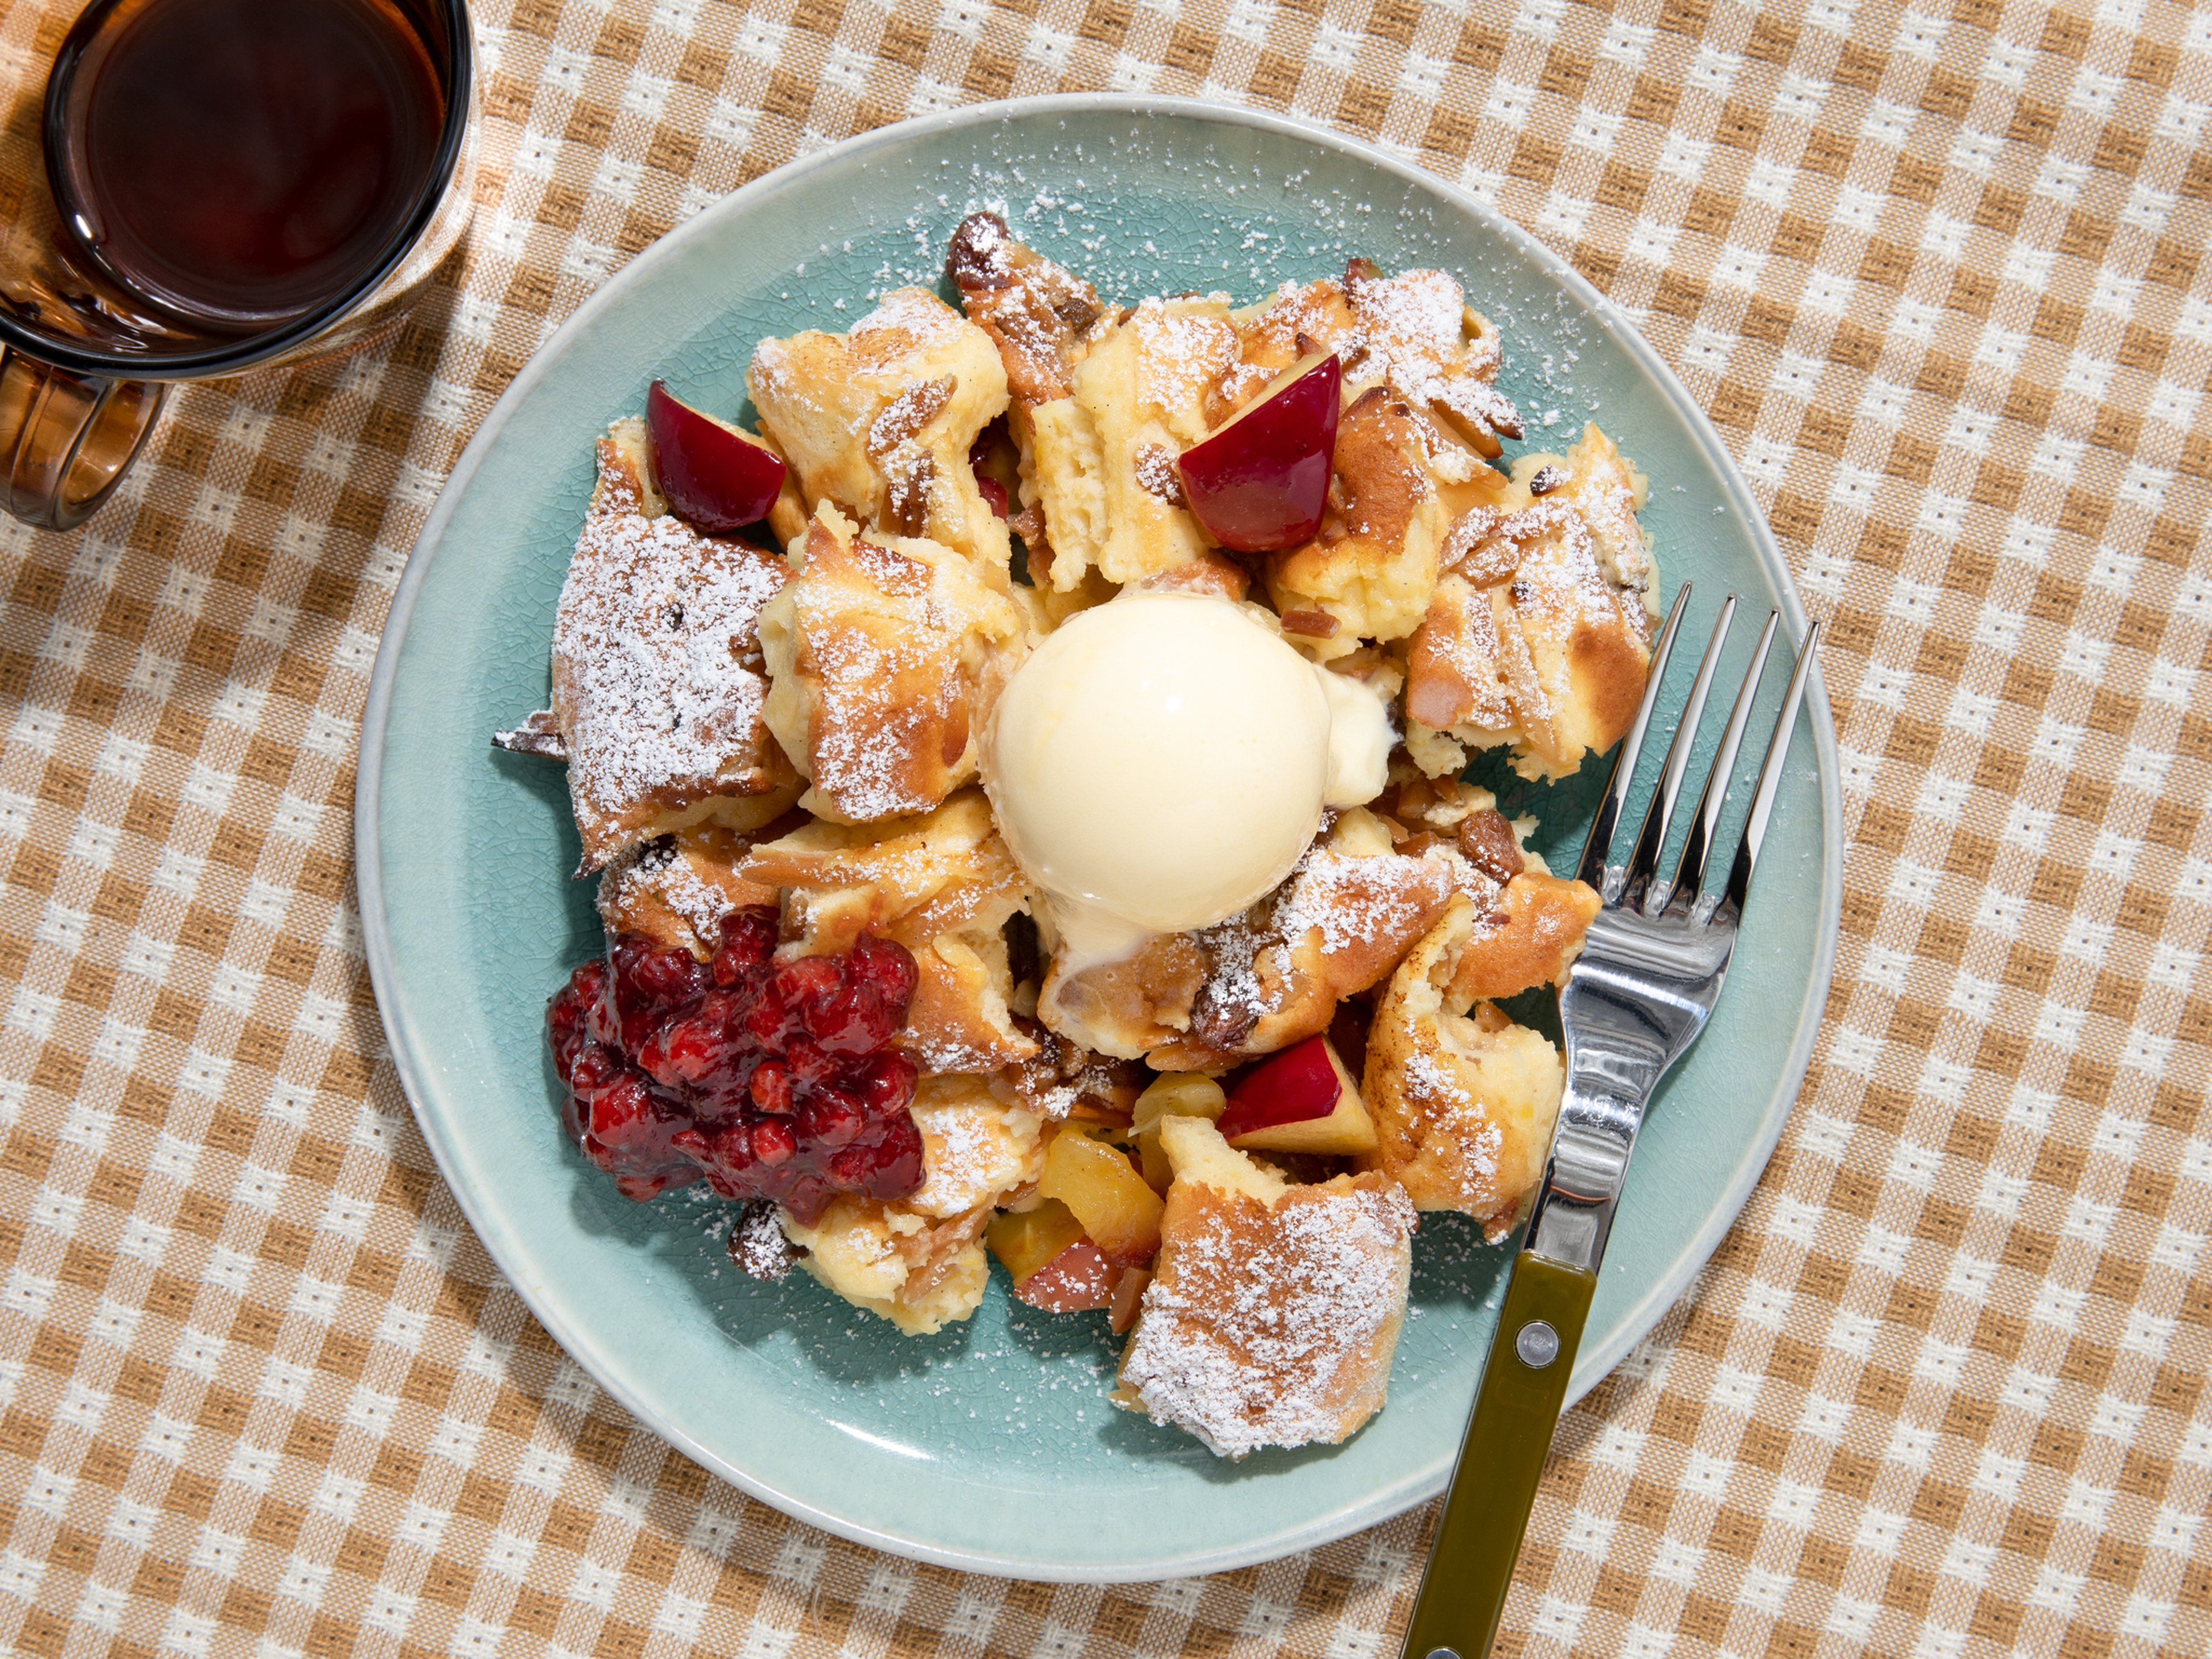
point(66, 439)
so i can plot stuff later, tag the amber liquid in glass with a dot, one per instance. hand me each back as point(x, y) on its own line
point(238, 163)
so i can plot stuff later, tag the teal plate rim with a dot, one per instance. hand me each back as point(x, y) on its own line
point(414, 1068)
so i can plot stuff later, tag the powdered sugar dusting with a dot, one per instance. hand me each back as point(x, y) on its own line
point(915, 312)
point(1348, 904)
point(1158, 473)
point(1356, 899)
point(1416, 314)
point(1273, 1327)
point(1062, 1075)
point(1437, 1087)
point(1042, 315)
point(1414, 325)
point(943, 1055)
point(1559, 582)
point(1181, 354)
point(1455, 679)
point(658, 868)
point(1234, 998)
point(1602, 492)
point(758, 1244)
point(973, 1149)
point(1484, 890)
point(867, 768)
point(895, 646)
point(655, 655)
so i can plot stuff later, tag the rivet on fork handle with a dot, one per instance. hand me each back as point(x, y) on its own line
point(1538, 1344)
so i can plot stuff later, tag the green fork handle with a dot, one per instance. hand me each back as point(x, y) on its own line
point(1493, 1485)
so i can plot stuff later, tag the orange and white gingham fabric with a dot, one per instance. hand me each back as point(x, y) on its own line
point(1944, 278)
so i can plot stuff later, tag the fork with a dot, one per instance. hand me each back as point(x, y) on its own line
point(1650, 972)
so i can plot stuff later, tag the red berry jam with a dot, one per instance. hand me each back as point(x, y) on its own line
point(771, 1079)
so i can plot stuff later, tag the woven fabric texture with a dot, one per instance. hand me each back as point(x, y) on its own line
point(1941, 277)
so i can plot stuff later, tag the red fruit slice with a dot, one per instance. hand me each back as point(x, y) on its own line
point(1258, 480)
point(1301, 1100)
point(1300, 1083)
point(1078, 1278)
point(715, 475)
point(992, 457)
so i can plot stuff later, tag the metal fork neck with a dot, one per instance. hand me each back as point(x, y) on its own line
point(1599, 1117)
point(1621, 1039)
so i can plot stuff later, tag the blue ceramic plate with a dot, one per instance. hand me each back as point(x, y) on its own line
point(992, 1446)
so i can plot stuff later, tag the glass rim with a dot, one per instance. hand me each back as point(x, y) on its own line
point(249, 349)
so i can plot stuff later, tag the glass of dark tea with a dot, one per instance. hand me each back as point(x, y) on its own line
point(206, 186)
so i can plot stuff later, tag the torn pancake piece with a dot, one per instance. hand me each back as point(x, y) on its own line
point(1101, 463)
point(658, 692)
point(879, 422)
point(1274, 1309)
point(1463, 1099)
point(1372, 569)
point(1538, 633)
point(885, 654)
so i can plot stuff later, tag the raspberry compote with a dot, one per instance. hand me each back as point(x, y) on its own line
point(769, 1078)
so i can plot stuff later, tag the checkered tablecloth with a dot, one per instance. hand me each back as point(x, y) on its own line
point(1942, 278)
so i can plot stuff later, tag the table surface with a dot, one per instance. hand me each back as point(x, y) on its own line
point(1941, 279)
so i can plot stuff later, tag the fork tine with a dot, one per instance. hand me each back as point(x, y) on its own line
point(1659, 816)
point(1690, 873)
point(1598, 846)
point(1770, 779)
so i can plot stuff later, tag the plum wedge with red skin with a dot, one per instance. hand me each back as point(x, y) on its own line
point(1302, 1100)
point(1258, 481)
point(1298, 1084)
point(714, 477)
point(1078, 1279)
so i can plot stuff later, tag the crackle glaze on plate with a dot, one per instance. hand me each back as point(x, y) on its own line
point(992, 1446)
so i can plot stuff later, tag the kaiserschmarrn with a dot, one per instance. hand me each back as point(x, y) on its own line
point(842, 990)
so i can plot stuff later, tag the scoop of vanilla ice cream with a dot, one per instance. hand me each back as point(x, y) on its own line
point(1160, 762)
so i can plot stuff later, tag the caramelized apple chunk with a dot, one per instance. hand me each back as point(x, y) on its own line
point(1103, 1191)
